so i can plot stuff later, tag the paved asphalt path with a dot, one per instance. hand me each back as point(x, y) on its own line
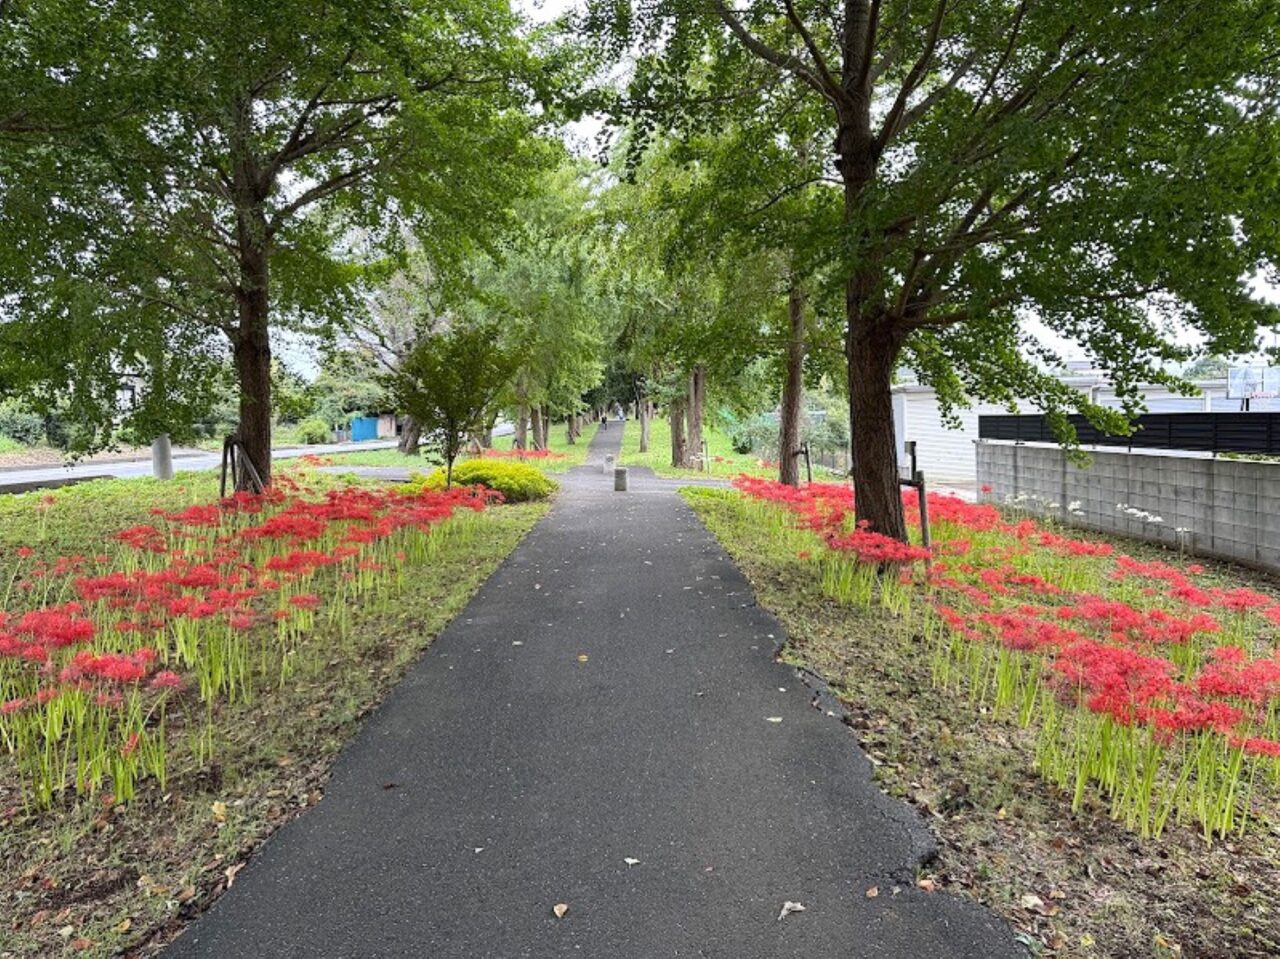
point(606, 696)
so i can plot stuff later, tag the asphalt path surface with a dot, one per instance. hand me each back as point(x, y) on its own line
point(604, 727)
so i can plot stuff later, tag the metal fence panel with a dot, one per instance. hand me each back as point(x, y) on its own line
point(1257, 433)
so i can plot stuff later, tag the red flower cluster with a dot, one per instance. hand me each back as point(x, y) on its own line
point(1139, 651)
point(192, 590)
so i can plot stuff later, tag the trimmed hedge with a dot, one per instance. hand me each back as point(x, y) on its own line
point(517, 482)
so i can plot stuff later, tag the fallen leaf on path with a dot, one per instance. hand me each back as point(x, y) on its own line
point(631, 862)
point(928, 885)
point(773, 719)
point(788, 908)
point(582, 657)
point(873, 892)
point(560, 909)
point(232, 872)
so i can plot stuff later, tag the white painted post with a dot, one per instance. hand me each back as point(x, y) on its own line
point(608, 464)
point(161, 457)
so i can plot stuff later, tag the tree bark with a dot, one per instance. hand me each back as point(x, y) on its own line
point(522, 426)
point(568, 430)
point(697, 400)
point(535, 424)
point(792, 391)
point(679, 449)
point(873, 337)
point(872, 351)
point(646, 416)
point(410, 437)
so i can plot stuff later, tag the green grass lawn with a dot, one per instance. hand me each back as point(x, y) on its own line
point(94, 878)
point(724, 462)
point(558, 442)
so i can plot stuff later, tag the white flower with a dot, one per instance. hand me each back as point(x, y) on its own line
point(1074, 506)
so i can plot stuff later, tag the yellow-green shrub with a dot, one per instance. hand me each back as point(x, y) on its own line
point(517, 482)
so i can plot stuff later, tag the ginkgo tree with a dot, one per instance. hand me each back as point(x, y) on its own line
point(1108, 170)
point(218, 169)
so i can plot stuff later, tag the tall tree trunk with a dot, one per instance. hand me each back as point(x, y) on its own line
point(646, 416)
point(697, 400)
point(251, 342)
point(679, 449)
point(522, 426)
point(568, 430)
point(872, 352)
point(535, 424)
point(410, 437)
point(792, 391)
point(252, 347)
point(873, 339)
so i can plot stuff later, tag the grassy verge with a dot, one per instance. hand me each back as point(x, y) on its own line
point(724, 462)
point(95, 878)
point(574, 454)
point(1075, 884)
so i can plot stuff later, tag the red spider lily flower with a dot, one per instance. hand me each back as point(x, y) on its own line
point(166, 679)
point(305, 601)
point(1262, 747)
point(12, 706)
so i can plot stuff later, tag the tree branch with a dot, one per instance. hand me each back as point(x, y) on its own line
point(318, 192)
point(914, 76)
point(783, 61)
point(819, 61)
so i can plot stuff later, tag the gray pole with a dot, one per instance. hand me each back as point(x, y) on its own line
point(161, 457)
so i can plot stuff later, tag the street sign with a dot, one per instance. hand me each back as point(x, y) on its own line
point(1253, 382)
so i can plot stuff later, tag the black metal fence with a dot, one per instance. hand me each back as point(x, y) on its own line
point(1202, 432)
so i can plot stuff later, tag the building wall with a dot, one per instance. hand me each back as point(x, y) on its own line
point(1228, 509)
point(946, 454)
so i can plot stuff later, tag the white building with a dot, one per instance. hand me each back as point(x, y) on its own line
point(947, 455)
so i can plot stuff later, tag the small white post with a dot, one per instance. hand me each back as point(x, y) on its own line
point(161, 457)
point(608, 463)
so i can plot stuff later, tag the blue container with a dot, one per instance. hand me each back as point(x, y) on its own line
point(365, 428)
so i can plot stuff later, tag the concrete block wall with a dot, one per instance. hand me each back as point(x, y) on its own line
point(1229, 509)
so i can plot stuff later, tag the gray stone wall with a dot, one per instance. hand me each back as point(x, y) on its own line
point(1228, 509)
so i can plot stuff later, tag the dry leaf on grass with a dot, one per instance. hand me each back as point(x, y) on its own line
point(560, 909)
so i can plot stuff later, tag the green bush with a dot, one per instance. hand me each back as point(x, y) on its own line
point(314, 430)
point(517, 482)
point(21, 425)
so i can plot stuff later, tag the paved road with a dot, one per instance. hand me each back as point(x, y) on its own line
point(33, 477)
point(610, 694)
